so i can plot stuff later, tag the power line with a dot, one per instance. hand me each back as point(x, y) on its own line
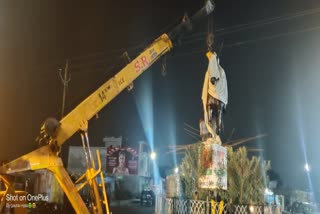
point(135, 46)
point(78, 66)
point(251, 41)
point(221, 31)
point(103, 63)
point(74, 68)
point(259, 23)
point(89, 89)
point(273, 36)
point(188, 40)
point(269, 21)
point(132, 47)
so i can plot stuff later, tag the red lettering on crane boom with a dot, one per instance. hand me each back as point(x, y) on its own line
point(137, 66)
point(141, 63)
point(144, 61)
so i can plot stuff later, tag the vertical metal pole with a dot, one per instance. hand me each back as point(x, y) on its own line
point(208, 206)
point(65, 80)
point(105, 197)
point(93, 186)
point(88, 162)
point(89, 149)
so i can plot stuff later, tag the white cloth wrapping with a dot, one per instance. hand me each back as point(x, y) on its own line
point(218, 91)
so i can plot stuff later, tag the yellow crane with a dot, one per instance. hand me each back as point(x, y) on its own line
point(55, 133)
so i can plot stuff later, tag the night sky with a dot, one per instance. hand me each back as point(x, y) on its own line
point(272, 71)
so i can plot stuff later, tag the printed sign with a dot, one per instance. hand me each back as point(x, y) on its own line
point(122, 161)
point(214, 159)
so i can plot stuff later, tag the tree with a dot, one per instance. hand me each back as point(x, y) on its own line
point(246, 177)
point(191, 170)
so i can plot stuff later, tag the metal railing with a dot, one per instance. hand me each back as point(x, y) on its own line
point(182, 206)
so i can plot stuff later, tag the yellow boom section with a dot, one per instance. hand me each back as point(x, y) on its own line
point(72, 122)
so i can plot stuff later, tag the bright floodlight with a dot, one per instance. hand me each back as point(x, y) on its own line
point(268, 191)
point(307, 167)
point(176, 170)
point(153, 155)
point(251, 209)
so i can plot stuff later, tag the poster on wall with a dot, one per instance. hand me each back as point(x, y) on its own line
point(122, 161)
point(173, 186)
point(214, 160)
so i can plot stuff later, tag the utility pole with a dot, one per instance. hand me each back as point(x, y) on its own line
point(65, 80)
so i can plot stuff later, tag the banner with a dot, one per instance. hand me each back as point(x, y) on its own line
point(173, 186)
point(214, 160)
point(122, 161)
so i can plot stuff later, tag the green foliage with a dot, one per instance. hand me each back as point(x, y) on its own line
point(246, 177)
point(220, 173)
point(191, 169)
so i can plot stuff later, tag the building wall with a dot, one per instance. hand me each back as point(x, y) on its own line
point(112, 141)
point(77, 160)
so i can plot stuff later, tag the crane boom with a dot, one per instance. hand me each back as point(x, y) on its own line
point(82, 113)
point(104, 94)
point(77, 119)
point(55, 133)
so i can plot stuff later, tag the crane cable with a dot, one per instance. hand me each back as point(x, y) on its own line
point(92, 57)
point(210, 37)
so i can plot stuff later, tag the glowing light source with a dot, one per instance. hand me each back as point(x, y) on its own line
point(176, 170)
point(307, 167)
point(153, 155)
point(251, 208)
point(267, 191)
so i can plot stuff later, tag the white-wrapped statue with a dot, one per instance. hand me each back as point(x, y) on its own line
point(214, 95)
